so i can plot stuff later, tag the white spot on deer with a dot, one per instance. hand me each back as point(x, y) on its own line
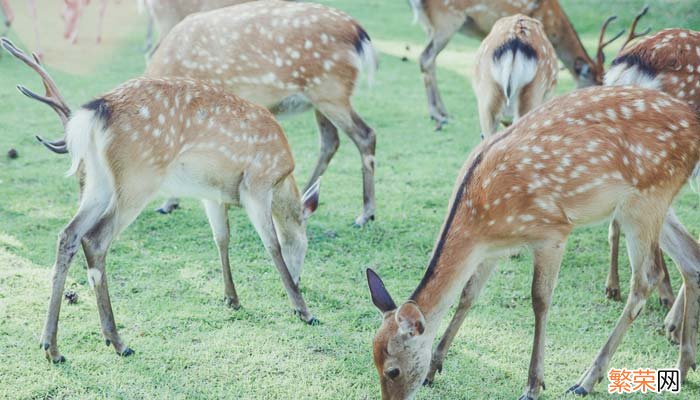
point(324, 38)
point(144, 112)
point(161, 119)
point(308, 44)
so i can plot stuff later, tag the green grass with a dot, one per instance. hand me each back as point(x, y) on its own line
point(165, 276)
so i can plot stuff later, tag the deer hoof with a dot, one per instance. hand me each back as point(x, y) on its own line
point(613, 294)
point(667, 303)
point(313, 322)
point(107, 342)
point(232, 302)
point(577, 390)
point(59, 360)
point(127, 352)
point(362, 220)
point(523, 397)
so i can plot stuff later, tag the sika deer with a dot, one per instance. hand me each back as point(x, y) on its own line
point(668, 61)
point(288, 57)
point(441, 19)
point(515, 72)
point(185, 138)
point(575, 160)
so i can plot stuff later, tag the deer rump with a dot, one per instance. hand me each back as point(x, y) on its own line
point(514, 66)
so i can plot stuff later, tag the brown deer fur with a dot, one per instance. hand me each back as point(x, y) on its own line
point(288, 57)
point(577, 159)
point(516, 71)
point(443, 18)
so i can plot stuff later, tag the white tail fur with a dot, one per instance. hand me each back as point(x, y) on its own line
point(513, 71)
point(80, 137)
point(368, 60)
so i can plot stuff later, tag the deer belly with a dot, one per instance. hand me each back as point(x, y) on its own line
point(203, 181)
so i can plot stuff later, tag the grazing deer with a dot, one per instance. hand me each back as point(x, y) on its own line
point(182, 137)
point(441, 19)
point(575, 160)
point(168, 13)
point(666, 61)
point(288, 57)
point(516, 70)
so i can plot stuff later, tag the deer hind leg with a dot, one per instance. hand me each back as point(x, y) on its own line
point(96, 244)
point(490, 102)
point(547, 260)
point(217, 214)
point(685, 252)
point(441, 36)
point(90, 210)
point(344, 117)
point(674, 319)
point(469, 294)
point(258, 205)
point(642, 233)
point(666, 297)
point(329, 145)
point(612, 285)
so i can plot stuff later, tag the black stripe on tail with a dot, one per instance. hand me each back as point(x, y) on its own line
point(636, 60)
point(101, 109)
point(362, 37)
point(515, 45)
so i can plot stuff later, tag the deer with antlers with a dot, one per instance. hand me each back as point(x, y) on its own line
point(441, 19)
point(182, 137)
point(288, 57)
point(515, 72)
point(666, 61)
point(580, 158)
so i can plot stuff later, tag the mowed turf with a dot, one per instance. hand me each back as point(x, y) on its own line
point(165, 278)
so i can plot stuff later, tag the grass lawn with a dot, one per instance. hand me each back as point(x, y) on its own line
point(165, 278)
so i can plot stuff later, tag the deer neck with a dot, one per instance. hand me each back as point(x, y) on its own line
point(565, 39)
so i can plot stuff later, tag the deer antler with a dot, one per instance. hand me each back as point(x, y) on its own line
point(633, 35)
point(52, 97)
point(600, 56)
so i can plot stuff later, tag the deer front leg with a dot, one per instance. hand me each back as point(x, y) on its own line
point(258, 206)
point(674, 319)
point(169, 206)
point(218, 220)
point(547, 259)
point(612, 285)
point(437, 43)
point(469, 294)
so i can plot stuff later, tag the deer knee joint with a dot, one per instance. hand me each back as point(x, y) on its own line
point(94, 277)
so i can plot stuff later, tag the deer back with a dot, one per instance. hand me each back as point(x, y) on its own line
point(267, 51)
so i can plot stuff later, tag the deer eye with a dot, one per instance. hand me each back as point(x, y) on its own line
point(392, 373)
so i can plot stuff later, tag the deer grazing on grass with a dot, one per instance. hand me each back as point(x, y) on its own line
point(580, 158)
point(441, 19)
point(666, 61)
point(516, 71)
point(182, 137)
point(288, 57)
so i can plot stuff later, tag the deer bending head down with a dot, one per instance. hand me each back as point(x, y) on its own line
point(441, 19)
point(580, 158)
point(289, 57)
point(184, 138)
point(516, 70)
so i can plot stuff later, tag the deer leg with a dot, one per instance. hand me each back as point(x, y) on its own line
point(35, 19)
point(666, 297)
point(685, 252)
point(169, 206)
point(547, 260)
point(642, 233)
point(674, 319)
point(612, 285)
point(7, 14)
point(258, 207)
point(490, 104)
point(437, 43)
point(68, 241)
point(344, 117)
point(218, 220)
point(469, 294)
point(329, 145)
point(101, 19)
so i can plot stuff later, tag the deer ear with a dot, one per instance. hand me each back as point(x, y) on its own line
point(380, 296)
point(410, 319)
point(309, 200)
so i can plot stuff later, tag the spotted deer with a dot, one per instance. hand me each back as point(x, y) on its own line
point(441, 19)
point(516, 71)
point(72, 13)
point(578, 159)
point(165, 14)
point(288, 57)
point(668, 61)
point(182, 137)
